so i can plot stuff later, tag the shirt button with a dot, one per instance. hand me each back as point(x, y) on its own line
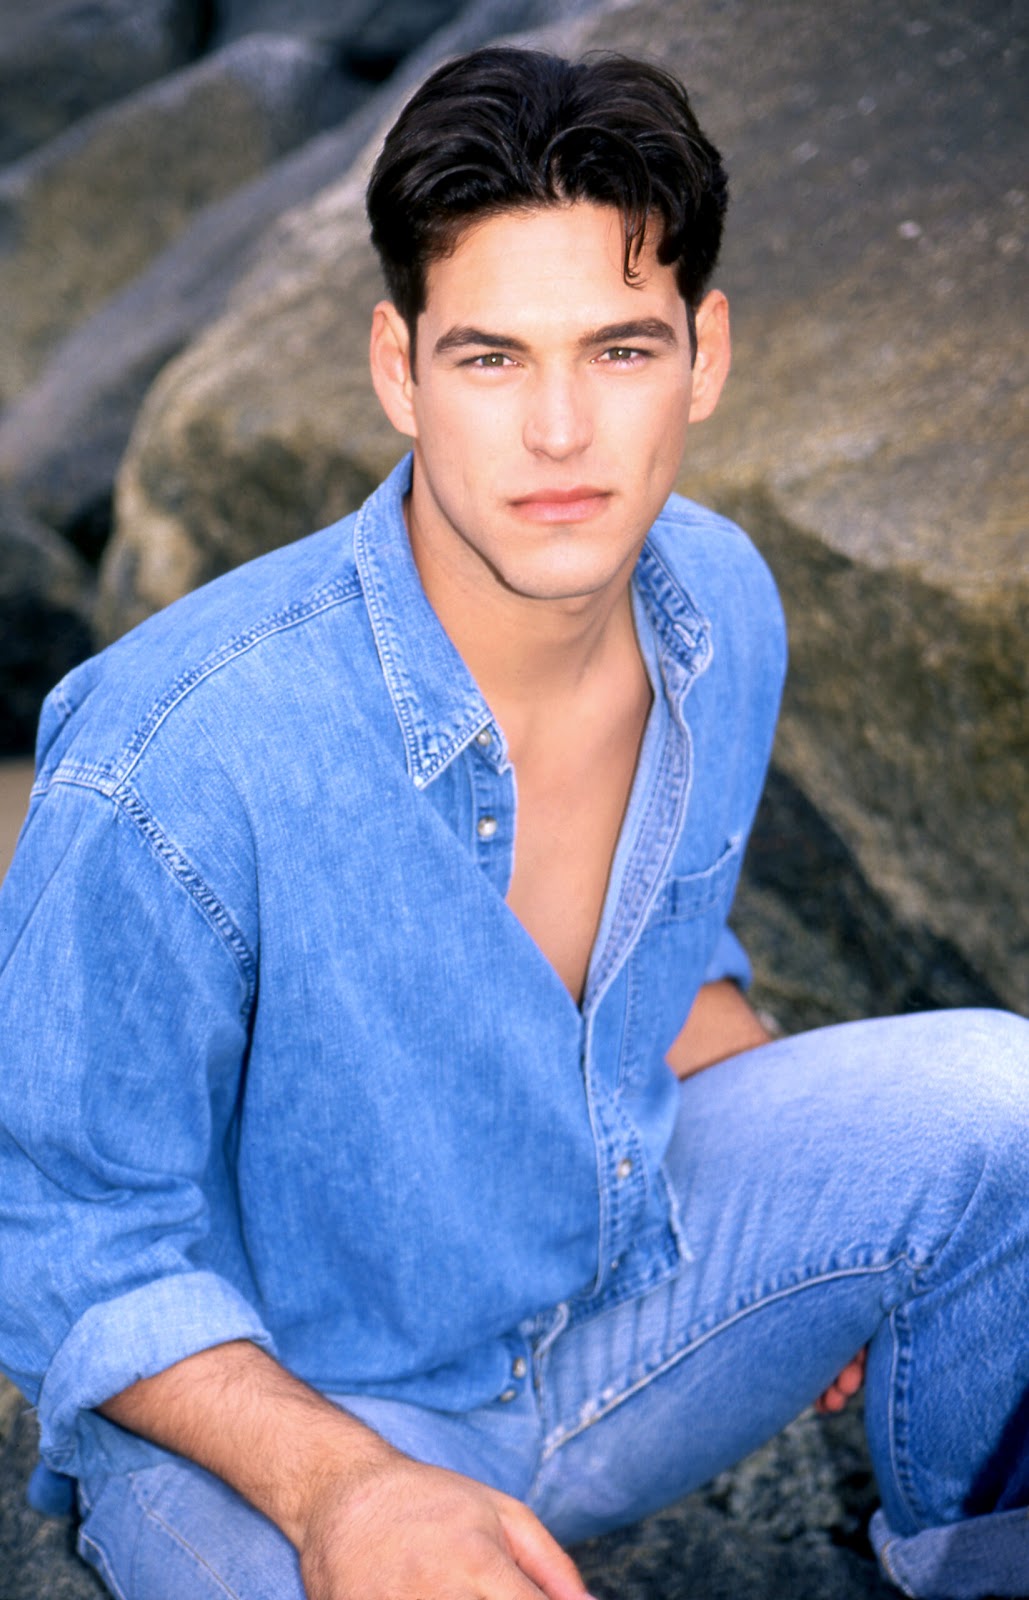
point(486, 827)
point(624, 1167)
point(508, 1395)
point(483, 737)
point(519, 1367)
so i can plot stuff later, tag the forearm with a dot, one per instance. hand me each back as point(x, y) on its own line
point(721, 1023)
point(368, 1523)
point(237, 1412)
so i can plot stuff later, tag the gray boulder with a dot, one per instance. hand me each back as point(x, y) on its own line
point(61, 440)
point(375, 35)
point(46, 604)
point(323, 19)
point(88, 211)
point(869, 438)
point(61, 59)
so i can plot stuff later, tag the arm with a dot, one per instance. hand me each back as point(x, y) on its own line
point(129, 1305)
point(721, 1023)
point(366, 1520)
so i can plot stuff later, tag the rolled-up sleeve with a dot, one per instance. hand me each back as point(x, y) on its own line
point(124, 992)
point(729, 960)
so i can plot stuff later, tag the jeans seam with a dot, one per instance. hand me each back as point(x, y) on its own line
point(552, 1444)
point(102, 1563)
point(151, 1515)
point(899, 1441)
point(886, 1562)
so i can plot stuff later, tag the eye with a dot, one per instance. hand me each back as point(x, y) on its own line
point(489, 361)
point(624, 355)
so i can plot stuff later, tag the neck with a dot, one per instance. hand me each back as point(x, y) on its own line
point(529, 656)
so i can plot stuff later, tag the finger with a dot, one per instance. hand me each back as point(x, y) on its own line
point(853, 1374)
point(539, 1555)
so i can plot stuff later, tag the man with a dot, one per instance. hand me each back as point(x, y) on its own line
point(372, 1227)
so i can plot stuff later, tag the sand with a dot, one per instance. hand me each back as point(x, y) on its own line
point(15, 783)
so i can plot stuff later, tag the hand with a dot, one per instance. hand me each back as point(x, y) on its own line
point(413, 1532)
point(722, 1023)
point(844, 1387)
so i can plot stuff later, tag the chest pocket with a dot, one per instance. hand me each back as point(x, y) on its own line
point(684, 898)
point(668, 964)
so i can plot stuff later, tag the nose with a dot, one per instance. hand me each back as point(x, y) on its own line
point(557, 421)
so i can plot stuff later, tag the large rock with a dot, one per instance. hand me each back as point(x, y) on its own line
point(872, 437)
point(87, 212)
point(62, 439)
point(46, 602)
point(375, 35)
point(868, 437)
point(61, 59)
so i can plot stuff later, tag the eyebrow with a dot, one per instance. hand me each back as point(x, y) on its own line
point(460, 338)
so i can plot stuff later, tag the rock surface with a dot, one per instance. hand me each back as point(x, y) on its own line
point(787, 1525)
point(46, 599)
point(868, 440)
point(84, 214)
point(375, 38)
point(61, 59)
point(61, 441)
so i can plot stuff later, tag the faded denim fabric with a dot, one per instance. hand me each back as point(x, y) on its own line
point(278, 1062)
point(863, 1183)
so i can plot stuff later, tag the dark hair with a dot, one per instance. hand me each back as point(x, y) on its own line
point(502, 129)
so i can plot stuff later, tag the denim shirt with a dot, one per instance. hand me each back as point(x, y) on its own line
point(279, 1063)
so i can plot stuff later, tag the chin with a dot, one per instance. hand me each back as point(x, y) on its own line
point(561, 584)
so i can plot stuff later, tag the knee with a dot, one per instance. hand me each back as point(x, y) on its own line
point(987, 1059)
point(990, 1051)
point(971, 1080)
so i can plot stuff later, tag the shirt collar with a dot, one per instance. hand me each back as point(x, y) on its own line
point(439, 706)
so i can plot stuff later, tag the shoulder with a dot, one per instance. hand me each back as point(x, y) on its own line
point(717, 563)
point(201, 651)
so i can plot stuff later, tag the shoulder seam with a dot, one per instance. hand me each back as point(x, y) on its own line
point(179, 868)
point(338, 592)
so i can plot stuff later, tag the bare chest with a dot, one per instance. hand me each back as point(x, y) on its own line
point(572, 799)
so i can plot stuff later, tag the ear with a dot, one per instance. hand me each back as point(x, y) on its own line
point(714, 354)
point(390, 359)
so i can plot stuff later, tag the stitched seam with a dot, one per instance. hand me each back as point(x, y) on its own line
point(886, 1562)
point(181, 870)
point(178, 867)
point(899, 1440)
point(631, 919)
point(339, 592)
point(553, 1444)
point(195, 1555)
point(177, 1539)
point(102, 1564)
point(400, 692)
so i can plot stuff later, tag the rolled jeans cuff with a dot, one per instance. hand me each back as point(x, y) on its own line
point(970, 1560)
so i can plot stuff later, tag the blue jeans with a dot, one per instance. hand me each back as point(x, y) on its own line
point(866, 1184)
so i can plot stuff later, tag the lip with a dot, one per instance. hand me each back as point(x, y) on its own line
point(562, 505)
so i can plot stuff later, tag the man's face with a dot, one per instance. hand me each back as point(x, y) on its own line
point(550, 409)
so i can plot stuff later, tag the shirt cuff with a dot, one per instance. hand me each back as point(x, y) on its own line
point(729, 960)
point(141, 1333)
